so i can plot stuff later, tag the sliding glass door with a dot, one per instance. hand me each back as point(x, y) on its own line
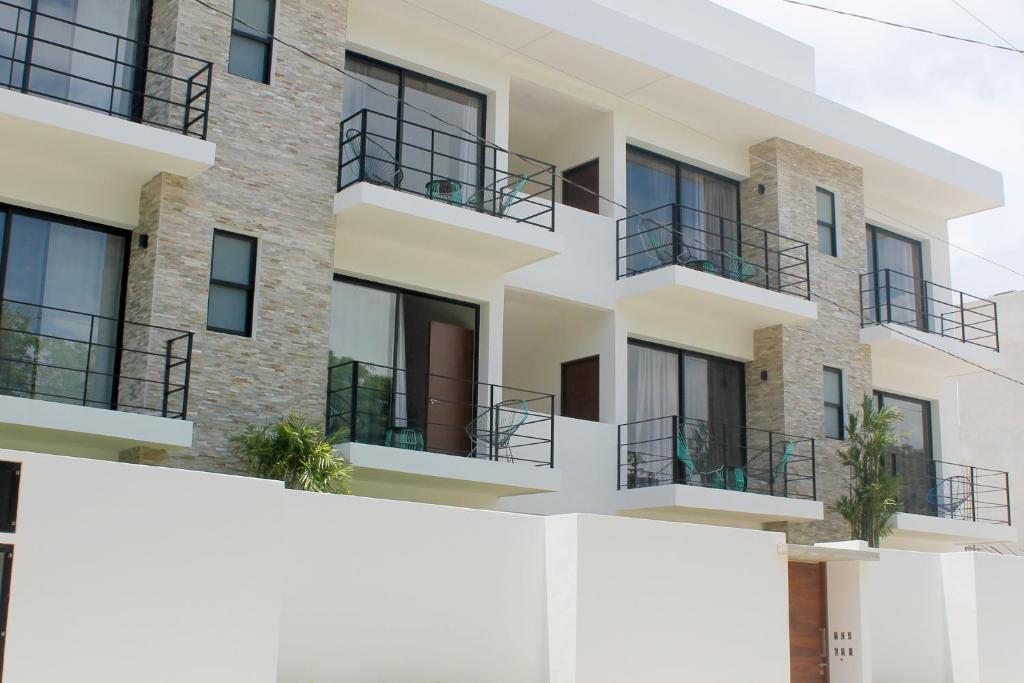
point(71, 51)
point(416, 365)
point(678, 214)
point(63, 290)
point(432, 130)
point(912, 459)
point(706, 393)
point(897, 265)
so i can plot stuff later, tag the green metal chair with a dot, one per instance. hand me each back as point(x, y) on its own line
point(780, 468)
point(409, 438)
point(445, 190)
point(739, 479)
point(501, 199)
point(738, 268)
point(714, 478)
point(493, 429)
point(379, 164)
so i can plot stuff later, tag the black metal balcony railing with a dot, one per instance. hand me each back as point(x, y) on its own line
point(447, 167)
point(46, 55)
point(888, 296)
point(385, 406)
point(65, 356)
point(680, 235)
point(680, 450)
point(951, 490)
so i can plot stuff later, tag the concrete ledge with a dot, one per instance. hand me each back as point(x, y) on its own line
point(45, 426)
point(406, 469)
point(829, 552)
point(365, 211)
point(85, 164)
point(914, 531)
point(927, 352)
point(714, 506)
point(675, 288)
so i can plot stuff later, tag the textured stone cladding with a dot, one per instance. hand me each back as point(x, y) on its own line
point(274, 179)
point(792, 398)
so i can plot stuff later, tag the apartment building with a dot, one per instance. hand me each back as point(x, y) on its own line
point(529, 257)
point(514, 261)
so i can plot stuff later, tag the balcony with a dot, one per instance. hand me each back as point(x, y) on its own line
point(109, 384)
point(945, 502)
point(407, 187)
point(90, 159)
point(913, 323)
point(695, 470)
point(422, 436)
point(683, 259)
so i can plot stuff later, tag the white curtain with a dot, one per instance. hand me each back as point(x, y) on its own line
point(653, 385)
point(401, 398)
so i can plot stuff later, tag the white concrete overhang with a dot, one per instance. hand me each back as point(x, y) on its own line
point(729, 102)
point(925, 528)
point(829, 552)
point(76, 162)
point(64, 429)
point(676, 289)
point(393, 219)
point(386, 466)
point(926, 352)
point(703, 505)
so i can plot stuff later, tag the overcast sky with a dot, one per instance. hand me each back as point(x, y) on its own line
point(967, 98)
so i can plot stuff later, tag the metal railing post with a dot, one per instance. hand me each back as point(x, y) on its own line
point(29, 48)
point(814, 472)
point(167, 377)
point(963, 320)
point(995, 323)
point(206, 99)
point(552, 434)
point(353, 398)
point(188, 375)
point(771, 463)
point(188, 104)
point(677, 234)
point(974, 494)
point(117, 51)
point(888, 297)
point(88, 361)
point(767, 277)
point(490, 429)
point(676, 435)
point(1006, 490)
point(618, 460)
point(362, 145)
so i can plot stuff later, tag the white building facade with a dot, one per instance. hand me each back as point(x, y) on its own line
point(558, 262)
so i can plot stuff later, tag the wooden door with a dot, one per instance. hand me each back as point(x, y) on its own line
point(449, 388)
point(581, 381)
point(808, 610)
point(580, 186)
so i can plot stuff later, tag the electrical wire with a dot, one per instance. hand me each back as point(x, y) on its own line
point(982, 22)
point(894, 24)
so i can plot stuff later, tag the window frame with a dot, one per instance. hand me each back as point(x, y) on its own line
point(7, 558)
point(832, 227)
point(250, 289)
point(928, 425)
point(826, 369)
point(267, 39)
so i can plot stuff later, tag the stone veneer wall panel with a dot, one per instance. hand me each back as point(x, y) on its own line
point(274, 178)
point(791, 174)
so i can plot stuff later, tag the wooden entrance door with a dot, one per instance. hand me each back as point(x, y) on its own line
point(449, 388)
point(580, 186)
point(580, 389)
point(808, 610)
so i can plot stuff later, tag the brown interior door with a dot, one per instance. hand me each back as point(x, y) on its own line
point(581, 389)
point(449, 388)
point(580, 186)
point(808, 610)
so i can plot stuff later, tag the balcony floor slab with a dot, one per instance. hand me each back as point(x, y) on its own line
point(679, 502)
point(389, 219)
point(912, 531)
point(908, 347)
point(61, 428)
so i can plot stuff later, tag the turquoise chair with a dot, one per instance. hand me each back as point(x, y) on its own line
point(379, 164)
point(445, 190)
point(715, 478)
point(404, 437)
point(503, 199)
point(738, 268)
point(739, 479)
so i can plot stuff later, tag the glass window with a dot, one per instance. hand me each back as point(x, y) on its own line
point(252, 40)
point(898, 295)
point(912, 459)
point(232, 284)
point(678, 214)
point(63, 291)
point(826, 222)
point(833, 391)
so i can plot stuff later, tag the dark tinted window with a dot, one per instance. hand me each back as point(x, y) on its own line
point(232, 283)
point(252, 40)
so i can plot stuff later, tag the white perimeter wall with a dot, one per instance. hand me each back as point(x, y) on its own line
point(954, 617)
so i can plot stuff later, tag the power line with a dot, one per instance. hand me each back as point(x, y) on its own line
point(612, 201)
point(982, 22)
point(904, 26)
